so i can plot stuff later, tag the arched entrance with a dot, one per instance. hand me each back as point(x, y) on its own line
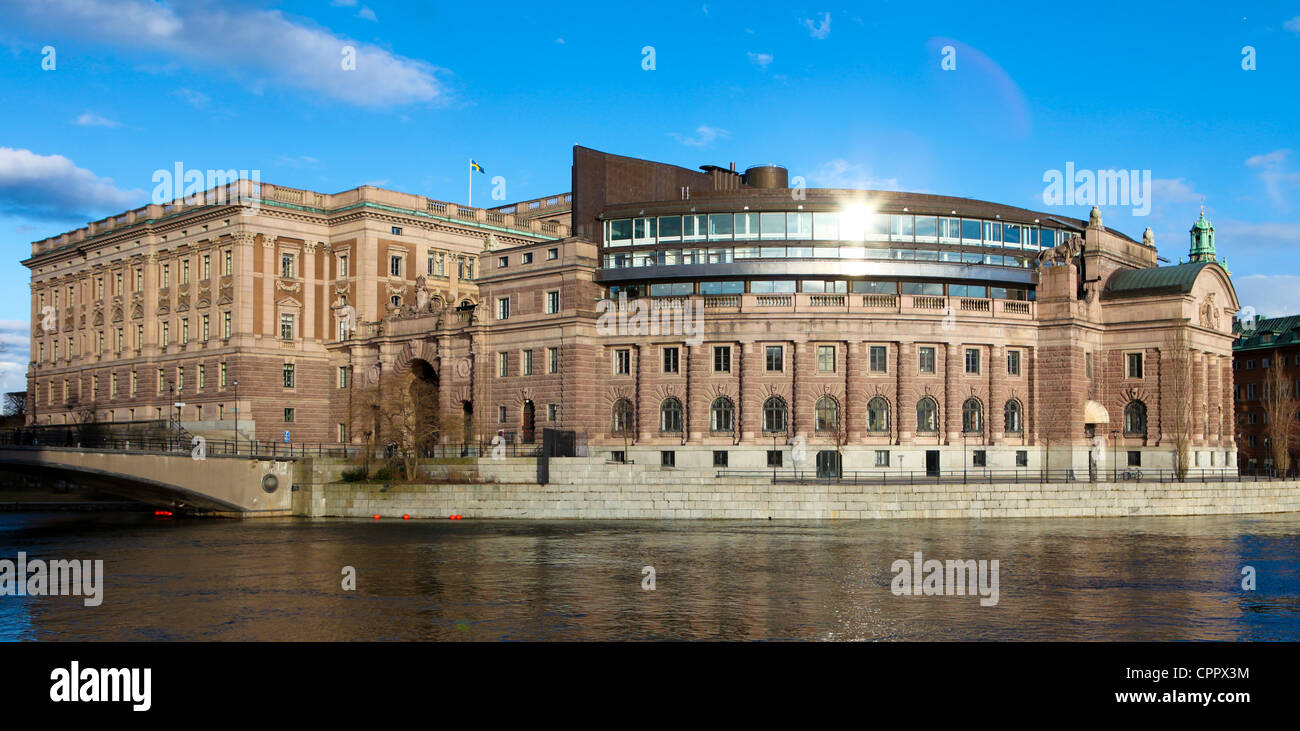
point(420, 413)
point(530, 422)
point(466, 423)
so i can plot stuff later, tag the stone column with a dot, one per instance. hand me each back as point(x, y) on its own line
point(269, 274)
point(904, 406)
point(855, 399)
point(1227, 433)
point(309, 291)
point(150, 307)
point(644, 411)
point(750, 401)
point(953, 363)
point(1199, 400)
point(997, 393)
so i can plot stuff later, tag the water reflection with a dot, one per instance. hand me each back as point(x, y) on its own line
point(1121, 579)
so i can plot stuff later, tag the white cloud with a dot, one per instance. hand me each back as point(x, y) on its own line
point(1268, 160)
point(344, 3)
point(196, 99)
point(1293, 24)
point(15, 347)
point(1232, 236)
point(560, 41)
point(256, 46)
point(1272, 295)
point(840, 173)
point(367, 14)
point(51, 187)
point(819, 29)
point(704, 136)
point(94, 120)
point(760, 60)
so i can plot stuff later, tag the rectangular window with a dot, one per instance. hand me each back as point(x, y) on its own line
point(342, 432)
point(397, 230)
point(774, 458)
point(1134, 365)
point(925, 360)
point(503, 308)
point(501, 414)
point(882, 457)
point(395, 266)
point(528, 258)
point(1087, 365)
point(286, 326)
point(1135, 458)
point(343, 265)
point(503, 365)
point(552, 303)
point(288, 414)
point(166, 334)
point(503, 262)
point(670, 360)
point(203, 377)
point(185, 271)
point(185, 330)
point(222, 376)
point(722, 359)
point(979, 458)
point(553, 358)
point(775, 358)
point(878, 355)
point(972, 360)
point(1250, 391)
point(180, 378)
point(227, 263)
point(552, 412)
point(286, 266)
point(162, 381)
point(287, 372)
point(135, 383)
point(343, 376)
point(719, 458)
point(826, 358)
point(622, 362)
point(139, 283)
point(204, 328)
point(1013, 362)
point(207, 267)
point(1022, 458)
point(552, 254)
point(528, 363)
point(668, 458)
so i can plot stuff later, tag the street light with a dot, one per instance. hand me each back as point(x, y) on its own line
point(1114, 455)
point(236, 416)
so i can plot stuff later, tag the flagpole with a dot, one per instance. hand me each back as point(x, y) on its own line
point(471, 184)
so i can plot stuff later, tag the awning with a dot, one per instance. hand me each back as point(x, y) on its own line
point(1095, 413)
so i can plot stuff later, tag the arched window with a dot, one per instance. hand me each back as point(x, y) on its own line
point(878, 414)
point(927, 415)
point(972, 416)
point(670, 415)
point(1135, 418)
point(1011, 421)
point(828, 414)
point(722, 415)
point(774, 414)
point(622, 416)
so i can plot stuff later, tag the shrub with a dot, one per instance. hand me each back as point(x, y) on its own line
point(354, 474)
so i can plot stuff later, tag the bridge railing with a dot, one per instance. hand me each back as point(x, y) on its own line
point(982, 475)
point(74, 439)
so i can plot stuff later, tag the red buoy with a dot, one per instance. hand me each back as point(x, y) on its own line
point(376, 516)
point(405, 516)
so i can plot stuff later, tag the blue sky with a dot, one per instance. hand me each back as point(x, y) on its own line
point(843, 95)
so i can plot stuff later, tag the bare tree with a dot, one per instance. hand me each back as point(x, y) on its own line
point(1280, 407)
point(1177, 399)
point(400, 413)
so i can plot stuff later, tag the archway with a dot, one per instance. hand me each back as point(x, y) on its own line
point(466, 423)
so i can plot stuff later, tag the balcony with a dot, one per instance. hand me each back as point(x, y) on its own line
point(970, 307)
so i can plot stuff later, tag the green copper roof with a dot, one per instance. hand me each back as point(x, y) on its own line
point(1268, 334)
point(1155, 280)
point(1202, 240)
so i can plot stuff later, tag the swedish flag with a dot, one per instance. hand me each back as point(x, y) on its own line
point(475, 166)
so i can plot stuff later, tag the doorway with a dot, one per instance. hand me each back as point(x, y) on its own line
point(932, 462)
point(530, 422)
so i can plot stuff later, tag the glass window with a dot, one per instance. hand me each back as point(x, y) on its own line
point(878, 226)
point(1012, 417)
point(643, 229)
point(622, 362)
point(735, 287)
point(719, 256)
point(720, 226)
point(900, 227)
point(622, 416)
point(826, 358)
point(670, 228)
point(670, 415)
point(827, 412)
point(826, 226)
point(620, 230)
point(992, 233)
point(1134, 365)
point(972, 360)
point(774, 415)
point(746, 252)
point(826, 252)
point(972, 416)
point(670, 360)
point(782, 286)
point(746, 226)
point(772, 252)
point(950, 230)
point(797, 226)
point(1013, 362)
point(877, 415)
point(1011, 235)
point(1135, 418)
point(798, 252)
point(878, 358)
point(775, 358)
point(927, 228)
point(927, 415)
point(866, 287)
point(694, 227)
point(774, 225)
point(924, 288)
point(287, 373)
point(927, 255)
point(722, 359)
point(970, 230)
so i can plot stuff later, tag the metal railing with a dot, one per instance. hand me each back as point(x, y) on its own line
point(982, 475)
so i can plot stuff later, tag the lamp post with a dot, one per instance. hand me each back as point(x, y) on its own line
point(774, 461)
point(236, 416)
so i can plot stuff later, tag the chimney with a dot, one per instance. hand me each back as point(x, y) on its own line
point(733, 167)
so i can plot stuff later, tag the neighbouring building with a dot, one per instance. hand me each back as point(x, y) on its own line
point(1264, 344)
point(708, 318)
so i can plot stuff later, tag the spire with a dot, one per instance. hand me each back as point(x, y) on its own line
point(1202, 239)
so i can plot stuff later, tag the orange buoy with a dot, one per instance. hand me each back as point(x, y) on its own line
point(405, 516)
point(376, 516)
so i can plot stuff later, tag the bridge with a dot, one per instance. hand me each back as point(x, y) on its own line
point(223, 485)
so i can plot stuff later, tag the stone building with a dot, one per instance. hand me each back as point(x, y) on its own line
point(680, 317)
point(1262, 345)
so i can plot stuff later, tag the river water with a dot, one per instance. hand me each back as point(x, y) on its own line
point(491, 580)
